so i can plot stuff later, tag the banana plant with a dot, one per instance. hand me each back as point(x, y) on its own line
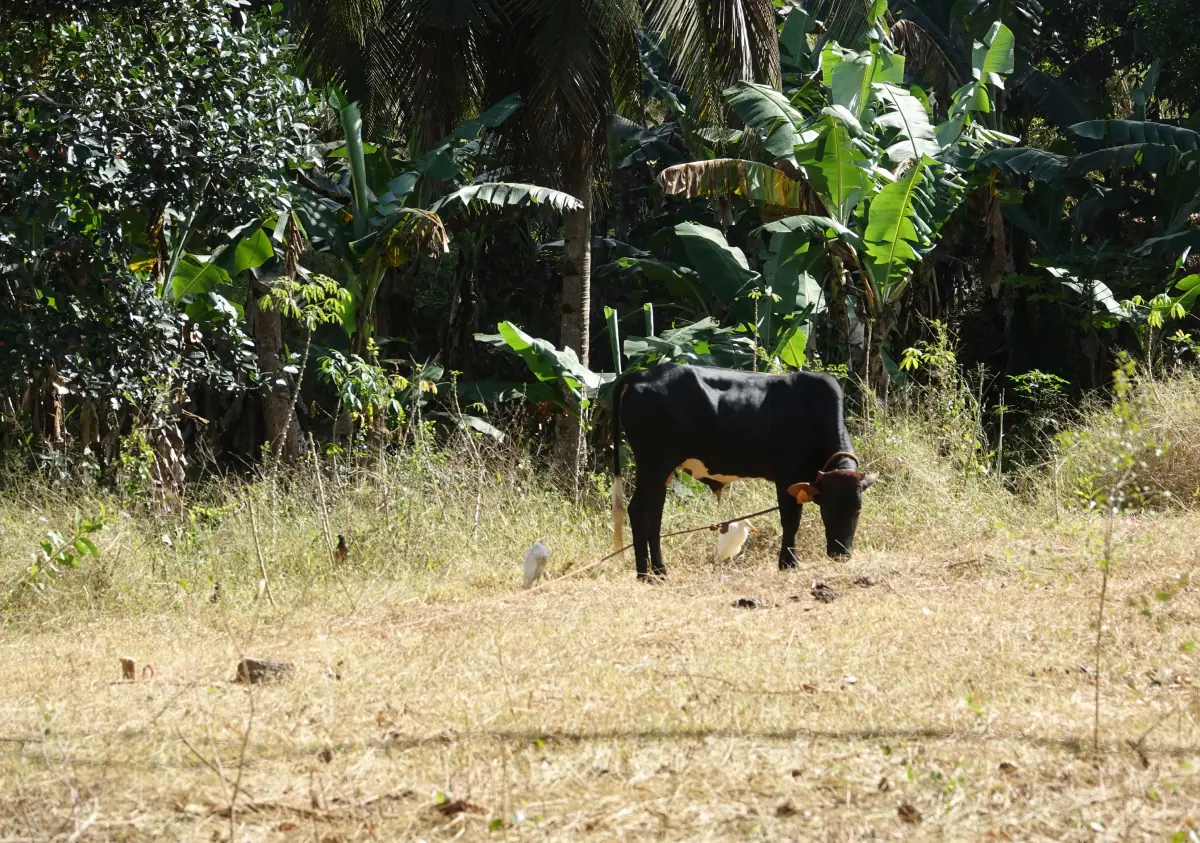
point(562, 380)
point(1167, 202)
point(1078, 213)
point(565, 383)
point(373, 218)
point(871, 175)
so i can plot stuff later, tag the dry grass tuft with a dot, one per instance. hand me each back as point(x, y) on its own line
point(943, 693)
point(1170, 410)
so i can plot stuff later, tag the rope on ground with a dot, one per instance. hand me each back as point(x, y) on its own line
point(717, 526)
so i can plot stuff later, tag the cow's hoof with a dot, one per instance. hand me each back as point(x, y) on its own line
point(652, 579)
point(787, 564)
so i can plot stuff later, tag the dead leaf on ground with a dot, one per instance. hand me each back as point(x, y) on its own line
point(1136, 746)
point(747, 603)
point(256, 671)
point(386, 716)
point(1007, 767)
point(454, 807)
point(808, 688)
point(866, 582)
point(908, 813)
point(823, 593)
point(286, 826)
point(325, 755)
point(884, 785)
point(787, 809)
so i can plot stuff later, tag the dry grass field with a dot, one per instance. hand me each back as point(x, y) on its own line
point(945, 693)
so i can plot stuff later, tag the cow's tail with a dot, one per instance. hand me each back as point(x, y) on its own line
point(618, 489)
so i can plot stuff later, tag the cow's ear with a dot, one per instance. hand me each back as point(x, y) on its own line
point(867, 481)
point(803, 492)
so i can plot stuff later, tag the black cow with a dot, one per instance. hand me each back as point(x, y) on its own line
point(719, 426)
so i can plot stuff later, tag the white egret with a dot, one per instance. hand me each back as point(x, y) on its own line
point(733, 536)
point(535, 562)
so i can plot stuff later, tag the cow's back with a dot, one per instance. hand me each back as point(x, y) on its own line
point(738, 423)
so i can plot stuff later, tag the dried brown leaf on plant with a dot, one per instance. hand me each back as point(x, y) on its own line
point(733, 177)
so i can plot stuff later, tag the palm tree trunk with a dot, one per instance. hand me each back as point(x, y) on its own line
point(577, 274)
point(576, 301)
point(464, 315)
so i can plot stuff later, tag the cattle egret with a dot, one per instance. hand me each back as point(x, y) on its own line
point(535, 562)
point(733, 536)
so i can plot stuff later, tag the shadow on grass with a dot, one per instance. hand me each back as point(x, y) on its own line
point(567, 736)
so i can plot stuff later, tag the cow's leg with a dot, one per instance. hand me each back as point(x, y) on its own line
point(639, 524)
point(654, 519)
point(789, 518)
point(645, 516)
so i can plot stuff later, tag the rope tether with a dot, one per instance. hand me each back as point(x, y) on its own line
point(717, 526)
point(829, 461)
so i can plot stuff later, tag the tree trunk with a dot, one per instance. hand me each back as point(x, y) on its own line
point(395, 310)
point(464, 307)
point(576, 299)
point(56, 408)
point(995, 257)
point(170, 463)
point(838, 350)
point(278, 415)
point(577, 271)
point(89, 424)
point(881, 329)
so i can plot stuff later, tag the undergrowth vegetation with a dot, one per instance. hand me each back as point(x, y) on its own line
point(448, 517)
point(1168, 412)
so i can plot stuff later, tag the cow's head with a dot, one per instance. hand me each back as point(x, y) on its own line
point(839, 494)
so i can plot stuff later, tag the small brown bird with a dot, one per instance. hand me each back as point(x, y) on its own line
point(341, 551)
point(216, 595)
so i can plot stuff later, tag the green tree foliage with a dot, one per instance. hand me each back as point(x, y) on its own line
point(123, 138)
point(783, 184)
